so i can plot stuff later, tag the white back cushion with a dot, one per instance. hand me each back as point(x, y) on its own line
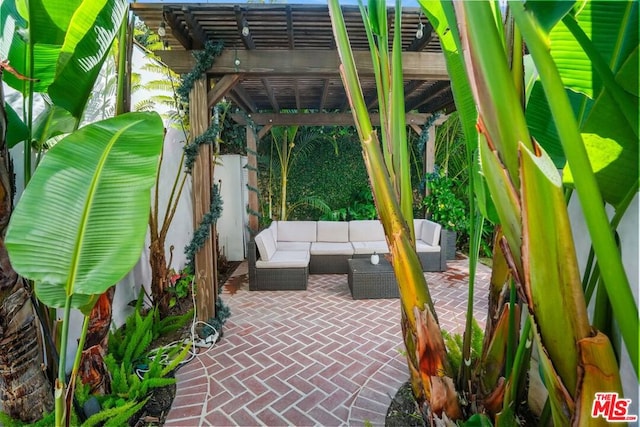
point(266, 245)
point(365, 230)
point(296, 231)
point(333, 231)
point(417, 228)
point(430, 233)
point(274, 230)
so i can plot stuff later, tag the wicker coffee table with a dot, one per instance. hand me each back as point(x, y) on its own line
point(372, 281)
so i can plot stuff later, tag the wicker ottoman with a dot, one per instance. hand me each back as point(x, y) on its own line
point(372, 281)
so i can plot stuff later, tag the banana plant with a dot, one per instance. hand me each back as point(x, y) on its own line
point(387, 163)
point(80, 224)
point(528, 194)
point(535, 261)
point(56, 48)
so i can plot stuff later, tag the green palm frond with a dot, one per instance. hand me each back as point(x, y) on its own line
point(144, 105)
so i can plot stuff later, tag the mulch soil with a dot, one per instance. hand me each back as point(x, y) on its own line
point(155, 411)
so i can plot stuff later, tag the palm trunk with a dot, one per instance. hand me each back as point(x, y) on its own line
point(25, 391)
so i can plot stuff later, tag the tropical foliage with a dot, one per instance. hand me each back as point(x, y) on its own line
point(442, 205)
point(81, 222)
point(387, 162)
point(80, 181)
point(534, 267)
point(287, 146)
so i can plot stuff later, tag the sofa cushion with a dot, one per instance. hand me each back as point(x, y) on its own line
point(297, 231)
point(333, 231)
point(286, 259)
point(365, 231)
point(293, 246)
point(274, 230)
point(266, 244)
point(378, 246)
point(430, 233)
point(423, 247)
point(417, 228)
point(331, 248)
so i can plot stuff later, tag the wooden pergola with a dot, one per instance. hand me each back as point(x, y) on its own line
point(280, 66)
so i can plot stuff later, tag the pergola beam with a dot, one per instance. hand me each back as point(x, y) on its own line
point(292, 43)
point(272, 96)
point(221, 88)
point(325, 93)
point(246, 99)
point(436, 90)
point(241, 20)
point(176, 29)
point(310, 63)
point(199, 36)
point(421, 43)
point(318, 119)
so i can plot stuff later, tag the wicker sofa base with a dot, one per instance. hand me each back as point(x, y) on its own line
point(274, 279)
point(371, 281)
point(433, 261)
point(329, 264)
point(281, 279)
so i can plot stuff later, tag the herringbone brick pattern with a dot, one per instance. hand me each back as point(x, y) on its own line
point(314, 357)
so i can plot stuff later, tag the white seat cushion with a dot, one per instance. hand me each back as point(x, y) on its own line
point(423, 247)
point(333, 231)
point(286, 259)
point(266, 244)
point(293, 246)
point(297, 231)
point(365, 231)
point(370, 247)
point(331, 248)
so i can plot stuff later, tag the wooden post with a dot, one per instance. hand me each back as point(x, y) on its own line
point(430, 147)
point(252, 166)
point(430, 152)
point(202, 183)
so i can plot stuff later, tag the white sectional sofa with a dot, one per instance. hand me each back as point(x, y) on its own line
point(283, 255)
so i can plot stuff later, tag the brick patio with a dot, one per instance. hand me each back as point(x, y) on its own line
point(314, 357)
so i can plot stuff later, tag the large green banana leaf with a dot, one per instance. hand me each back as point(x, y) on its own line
point(53, 121)
point(40, 25)
point(607, 113)
point(80, 225)
point(89, 37)
point(16, 129)
point(70, 40)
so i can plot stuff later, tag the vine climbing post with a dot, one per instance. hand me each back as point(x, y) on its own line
point(204, 270)
point(252, 166)
point(427, 142)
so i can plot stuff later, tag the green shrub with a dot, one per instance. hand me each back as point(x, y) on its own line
point(362, 207)
point(442, 205)
point(327, 175)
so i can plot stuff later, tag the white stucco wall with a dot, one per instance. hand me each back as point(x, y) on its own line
point(231, 175)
